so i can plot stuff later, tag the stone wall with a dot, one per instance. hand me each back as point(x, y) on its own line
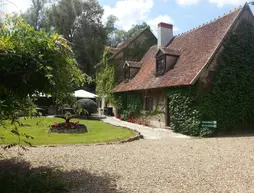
point(157, 117)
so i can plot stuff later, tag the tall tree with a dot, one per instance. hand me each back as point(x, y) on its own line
point(110, 29)
point(119, 35)
point(37, 15)
point(135, 29)
point(80, 22)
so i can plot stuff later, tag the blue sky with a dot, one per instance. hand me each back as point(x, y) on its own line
point(183, 14)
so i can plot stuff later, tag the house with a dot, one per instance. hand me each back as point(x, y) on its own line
point(131, 49)
point(180, 61)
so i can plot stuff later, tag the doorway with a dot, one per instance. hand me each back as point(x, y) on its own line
point(167, 117)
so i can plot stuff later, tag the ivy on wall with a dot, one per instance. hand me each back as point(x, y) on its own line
point(230, 97)
point(129, 103)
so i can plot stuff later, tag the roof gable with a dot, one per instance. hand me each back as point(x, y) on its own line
point(132, 64)
point(120, 48)
point(168, 51)
point(196, 48)
point(127, 42)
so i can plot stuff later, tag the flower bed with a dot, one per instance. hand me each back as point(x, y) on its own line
point(132, 120)
point(68, 128)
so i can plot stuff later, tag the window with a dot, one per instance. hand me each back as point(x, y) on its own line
point(148, 103)
point(160, 65)
point(126, 73)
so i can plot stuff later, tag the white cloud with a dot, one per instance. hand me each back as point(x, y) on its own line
point(161, 18)
point(219, 3)
point(187, 2)
point(129, 12)
point(14, 5)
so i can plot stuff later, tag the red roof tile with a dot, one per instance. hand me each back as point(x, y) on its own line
point(196, 47)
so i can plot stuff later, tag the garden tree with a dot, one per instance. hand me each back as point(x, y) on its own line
point(110, 29)
point(37, 15)
point(118, 35)
point(80, 23)
point(33, 62)
point(135, 29)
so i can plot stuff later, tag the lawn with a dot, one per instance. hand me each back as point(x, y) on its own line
point(38, 128)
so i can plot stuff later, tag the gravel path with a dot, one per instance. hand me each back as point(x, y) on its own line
point(157, 166)
point(147, 132)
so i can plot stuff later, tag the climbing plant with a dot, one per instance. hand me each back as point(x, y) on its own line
point(105, 77)
point(110, 70)
point(229, 98)
point(129, 103)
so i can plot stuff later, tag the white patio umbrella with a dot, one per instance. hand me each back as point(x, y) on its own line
point(84, 94)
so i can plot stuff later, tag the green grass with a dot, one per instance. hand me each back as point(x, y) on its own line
point(38, 128)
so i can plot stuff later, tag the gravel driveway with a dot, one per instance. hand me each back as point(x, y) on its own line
point(165, 165)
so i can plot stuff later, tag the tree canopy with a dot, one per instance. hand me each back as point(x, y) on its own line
point(37, 15)
point(118, 35)
point(80, 22)
point(33, 62)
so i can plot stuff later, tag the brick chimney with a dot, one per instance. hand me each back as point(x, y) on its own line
point(165, 34)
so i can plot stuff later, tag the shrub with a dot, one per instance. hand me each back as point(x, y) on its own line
point(88, 106)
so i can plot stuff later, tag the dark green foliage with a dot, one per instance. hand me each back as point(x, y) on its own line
point(80, 22)
point(37, 15)
point(228, 98)
point(134, 103)
point(33, 62)
point(19, 177)
point(117, 36)
point(88, 105)
point(138, 49)
point(183, 115)
point(120, 102)
point(129, 103)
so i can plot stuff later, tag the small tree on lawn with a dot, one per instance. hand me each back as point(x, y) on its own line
point(32, 62)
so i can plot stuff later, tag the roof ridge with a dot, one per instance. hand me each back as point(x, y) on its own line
point(134, 36)
point(130, 40)
point(211, 21)
point(240, 11)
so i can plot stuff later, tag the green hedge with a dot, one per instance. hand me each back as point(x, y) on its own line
point(228, 98)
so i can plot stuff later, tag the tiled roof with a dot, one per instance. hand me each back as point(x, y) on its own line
point(196, 48)
point(128, 42)
point(121, 46)
point(133, 64)
point(169, 51)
